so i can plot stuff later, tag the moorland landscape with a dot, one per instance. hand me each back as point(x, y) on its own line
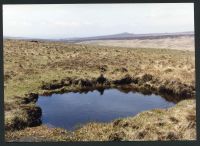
point(153, 64)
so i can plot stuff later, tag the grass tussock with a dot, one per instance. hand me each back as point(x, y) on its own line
point(34, 67)
point(176, 123)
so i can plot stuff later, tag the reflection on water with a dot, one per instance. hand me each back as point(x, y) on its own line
point(103, 105)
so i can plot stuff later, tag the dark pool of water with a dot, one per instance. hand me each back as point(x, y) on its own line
point(71, 109)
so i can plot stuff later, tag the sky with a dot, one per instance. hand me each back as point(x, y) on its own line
point(83, 20)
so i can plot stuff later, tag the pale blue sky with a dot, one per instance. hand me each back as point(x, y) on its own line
point(80, 20)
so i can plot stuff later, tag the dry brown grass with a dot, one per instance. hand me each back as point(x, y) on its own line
point(170, 124)
point(28, 65)
point(179, 43)
point(176, 123)
point(37, 134)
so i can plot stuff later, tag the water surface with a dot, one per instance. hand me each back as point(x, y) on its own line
point(71, 109)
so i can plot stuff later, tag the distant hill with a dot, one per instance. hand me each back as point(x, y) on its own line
point(120, 36)
point(129, 36)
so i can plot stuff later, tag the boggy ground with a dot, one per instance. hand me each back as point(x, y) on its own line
point(33, 68)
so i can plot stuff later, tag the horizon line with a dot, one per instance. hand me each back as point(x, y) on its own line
point(60, 38)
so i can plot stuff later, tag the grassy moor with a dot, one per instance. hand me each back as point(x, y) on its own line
point(33, 68)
